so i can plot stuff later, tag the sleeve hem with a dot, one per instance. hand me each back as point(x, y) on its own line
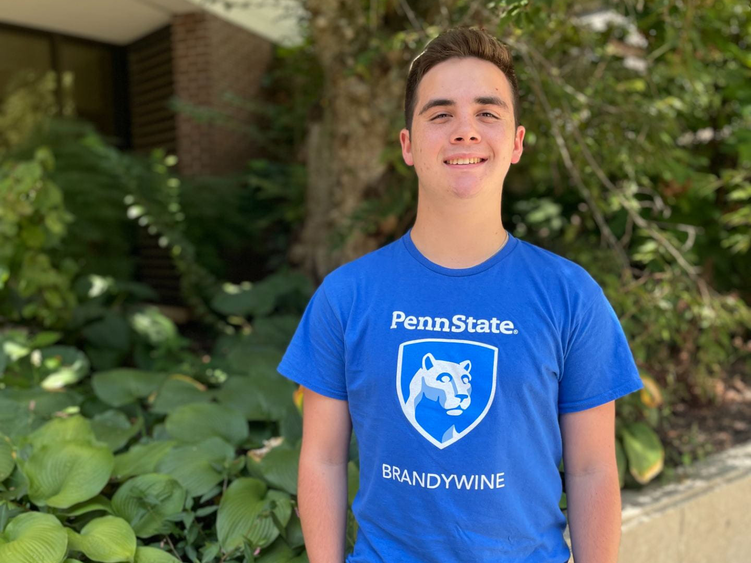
point(305, 382)
point(601, 399)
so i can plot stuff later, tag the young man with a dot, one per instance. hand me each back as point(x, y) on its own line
point(468, 362)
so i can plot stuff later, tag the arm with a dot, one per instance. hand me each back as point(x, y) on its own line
point(592, 491)
point(322, 481)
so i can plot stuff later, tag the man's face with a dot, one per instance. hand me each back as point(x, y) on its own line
point(463, 139)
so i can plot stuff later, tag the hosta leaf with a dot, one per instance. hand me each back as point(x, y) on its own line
point(61, 475)
point(15, 418)
point(114, 429)
point(108, 539)
point(294, 535)
point(112, 332)
point(258, 396)
point(33, 537)
point(140, 459)
point(197, 422)
point(280, 552)
point(97, 504)
point(147, 501)
point(195, 465)
point(279, 467)
point(62, 365)
point(42, 403)
point(244, 514)
point(44, 339)
point(7, 462)
point(245, 357)
point(118, 387)
point(241, 504)
point(72, 429)
point(644, 451)
point(154, 555)
point(178, 391)
point(265, 530)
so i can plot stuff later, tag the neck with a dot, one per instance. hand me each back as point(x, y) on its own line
point(458, 233)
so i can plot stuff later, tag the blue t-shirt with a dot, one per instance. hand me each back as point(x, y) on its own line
point(454, 380)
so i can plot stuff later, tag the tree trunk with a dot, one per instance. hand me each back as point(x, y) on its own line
point(344, 149)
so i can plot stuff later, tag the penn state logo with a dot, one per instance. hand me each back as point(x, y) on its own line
point(445, 387)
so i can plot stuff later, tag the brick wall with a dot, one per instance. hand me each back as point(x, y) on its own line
point(210, 58)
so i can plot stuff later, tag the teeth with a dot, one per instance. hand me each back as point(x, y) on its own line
point(464, 161)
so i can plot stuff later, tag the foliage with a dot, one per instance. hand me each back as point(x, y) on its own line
point(35, 282)
point(127, 465)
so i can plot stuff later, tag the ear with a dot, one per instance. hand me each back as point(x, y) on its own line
point(466, 365)
point(404, 139)
point(516, 154)
point(428, 361)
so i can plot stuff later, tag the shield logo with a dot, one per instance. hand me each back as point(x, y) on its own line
point(445, 387)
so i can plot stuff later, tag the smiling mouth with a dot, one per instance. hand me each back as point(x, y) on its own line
point(464, 161)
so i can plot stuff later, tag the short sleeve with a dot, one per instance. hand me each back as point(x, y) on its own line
point(598, 366)
point(315, 355)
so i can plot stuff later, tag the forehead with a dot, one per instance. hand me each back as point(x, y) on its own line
point(460, 78)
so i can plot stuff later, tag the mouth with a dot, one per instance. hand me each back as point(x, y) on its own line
point(454, 412)
point(470, 162)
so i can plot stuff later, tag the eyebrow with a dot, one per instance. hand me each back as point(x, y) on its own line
point(482, 100)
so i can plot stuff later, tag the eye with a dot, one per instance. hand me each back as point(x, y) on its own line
point(439, 116)
point(488, 114)
point(444, 378)
point(465, 378)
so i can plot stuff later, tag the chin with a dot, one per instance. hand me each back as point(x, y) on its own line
point(465, 192)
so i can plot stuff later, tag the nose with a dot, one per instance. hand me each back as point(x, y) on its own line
point(466, 131)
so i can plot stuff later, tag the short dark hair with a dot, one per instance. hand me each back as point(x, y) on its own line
point(459, 42)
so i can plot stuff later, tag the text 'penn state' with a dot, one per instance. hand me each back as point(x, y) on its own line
point(457, 323)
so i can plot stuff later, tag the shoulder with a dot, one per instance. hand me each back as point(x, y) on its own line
point(558, 277)
point(346, 281)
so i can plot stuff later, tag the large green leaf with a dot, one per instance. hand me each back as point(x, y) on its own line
point(197, 422)
point(154, 555)
point(148, 501)
point(62, 366)
point(114, 429)
point(99, 503)
point(644, 451)
point(33, 537)
point(259, 299)
point(279, 552)
point(247, 357)
point(198, 466)
point(155, 327)
point(43, 403)
point(279, 468)
point(7, 462)
point(258, 396)
point(59, 430)
point(61, 475)
point(15, 418)
point(140, 459)
point(177, 391)
point(119, 387)
point(112, 332)
point(108, 539)
point(245, 513)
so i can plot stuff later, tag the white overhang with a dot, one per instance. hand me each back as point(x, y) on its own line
point(120, 22)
